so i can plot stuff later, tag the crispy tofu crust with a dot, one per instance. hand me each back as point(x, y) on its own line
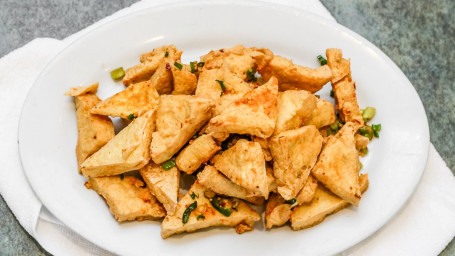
point(340, 67)
point(184, 81)
point(337, 166)
point(128, 150)
point(127, 197)
point(178, 118)
point(136, 99)
point(322, 115)
point(78, 91)
point(294, 152)
point(196, 153)
point(307, 193)
point(150, 63)
point(164, 184)
point(293, 76)
point(277, 212)
point(93, 131)
point(173, 224)
point(323, 204)
point(254, 113)
point(238, 59)
point(220, 184)
point(294, 107)
point(244, 164)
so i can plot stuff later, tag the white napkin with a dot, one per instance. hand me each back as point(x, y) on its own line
point(424, 226)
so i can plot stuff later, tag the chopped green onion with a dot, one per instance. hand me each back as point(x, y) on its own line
point(193, 67)
point(292, 201)
point(166, 54)
point(122, 176)
point(223, 88)
point(168, 165)
point(200, 216)
point(200, 64)
point(364, 131)
point(376, 127)
point(250, 75)
point(193, 195)
point(117, 73)
point(332, 93)
point(364, 151)
point(131, 116)
point(360, 165)
point(322, 60)
point(335, 126)
point(376, 134)
point(329, 132)
point(178, 65)
point(216, 204)
point(187, 212)
point(368, 113)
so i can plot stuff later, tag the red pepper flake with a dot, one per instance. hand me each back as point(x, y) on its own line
point(168, 66)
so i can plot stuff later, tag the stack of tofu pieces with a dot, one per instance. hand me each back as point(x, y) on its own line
point(245, 122)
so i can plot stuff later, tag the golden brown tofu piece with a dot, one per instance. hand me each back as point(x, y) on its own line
point(178, 118)
point(322, 115)
point(128, 150)
point(93, 131)
point(307, 193)
point(265, 147)
point(361, 141)
point(150, 63)
point(196, 153)
point(277, 212)
point(184, 81)
point(340, 67)
point(323, 204)
point(205, 215)
point(238, 59)
point(254, 113)
point(293, 76)
point(77, 91)
point(135, 100)
point(294, 153)
point(127, 197)
point(244, 164)
point(164, 184)
point(294, 107)
point(337, 166)
point(220, 184)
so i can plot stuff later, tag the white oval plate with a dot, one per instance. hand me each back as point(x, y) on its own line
point(48, 133)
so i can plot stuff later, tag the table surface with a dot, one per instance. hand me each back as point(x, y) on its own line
point(417, 35)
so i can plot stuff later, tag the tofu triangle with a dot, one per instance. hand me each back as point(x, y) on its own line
point(135, 100)
point(128, 150)
point(205, 215)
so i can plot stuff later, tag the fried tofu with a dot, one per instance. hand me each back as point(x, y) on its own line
point(205, 215)
point(277, 212)
point(254, 113)
point(293, 76)
point(294, 152)
point(322, 115)
point(150, 63)
point(93, 131)
point(323, 204)
point(135, 100)
point(128, 150)
point(340, 67)
point(220, 184)
point(185, 82)
point(244, 164)
point(265, 148)
point(164, 184)
point(337, 166)
point(196, 153)
point(307, 193)
point(77, 91)
point(127, 197)
point(178, 118)
point(162, 78)
point(238, 59)
point(294, 107)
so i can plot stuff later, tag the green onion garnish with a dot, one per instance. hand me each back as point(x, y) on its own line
point(376, 127)
point(292, 201)
point(168, 165)
point(364, 131)
point(193, 195)
point(122, 176)
point(131, 116)
point(178, 65)
point(117, 73)
point(223, 88)
point(368, 113)
point(364, 151)
point(329, 132)
point(250, 75)
point(193, 67)
point(216, 204)
point(335, 126)
point(187, 212)
point(332, 93)
point(322, 60)
point(200, 216)
point(166, 54)
point(360, 165)
point(200, 64)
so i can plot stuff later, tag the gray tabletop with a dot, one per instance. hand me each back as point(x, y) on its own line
point(418, 35)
